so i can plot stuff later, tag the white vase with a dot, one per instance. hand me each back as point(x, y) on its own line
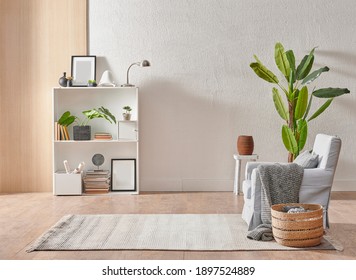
point(126, 116)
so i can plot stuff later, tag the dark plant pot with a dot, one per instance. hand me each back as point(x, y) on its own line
point(92, 84)
point(82, 132)
point(245, 145)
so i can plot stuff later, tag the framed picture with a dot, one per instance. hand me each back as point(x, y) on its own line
point(123, 174)
point(83, 69)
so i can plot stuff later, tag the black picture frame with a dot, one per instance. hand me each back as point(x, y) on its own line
point(127, 181)
point(83, 69)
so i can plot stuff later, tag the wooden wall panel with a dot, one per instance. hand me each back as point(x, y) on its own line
point(37, 39)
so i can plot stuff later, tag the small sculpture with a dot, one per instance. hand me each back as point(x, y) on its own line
point(106, 80)
point(63, 80)
point(98, 160)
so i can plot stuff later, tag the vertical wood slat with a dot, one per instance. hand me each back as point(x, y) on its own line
point(37, 40)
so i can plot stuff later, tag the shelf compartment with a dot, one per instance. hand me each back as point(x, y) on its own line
point(121, 140)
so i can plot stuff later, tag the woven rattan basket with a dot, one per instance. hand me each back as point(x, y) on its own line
point(298, 229)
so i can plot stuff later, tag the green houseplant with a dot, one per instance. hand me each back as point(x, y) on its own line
point(82, 131)
point(96, 114)
point(92, 83)
point(296, 111)
point(127, 113)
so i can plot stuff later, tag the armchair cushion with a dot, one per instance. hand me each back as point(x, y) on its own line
point(307, 159)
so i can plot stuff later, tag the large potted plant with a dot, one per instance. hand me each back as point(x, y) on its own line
point(296, 110)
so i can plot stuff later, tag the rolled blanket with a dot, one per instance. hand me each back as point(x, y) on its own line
point(280, 183)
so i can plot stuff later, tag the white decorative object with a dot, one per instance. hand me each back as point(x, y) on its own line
point(66, 166)
point(79, 169)
point(107, 80)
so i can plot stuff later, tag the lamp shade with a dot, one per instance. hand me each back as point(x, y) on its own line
point(145, 63)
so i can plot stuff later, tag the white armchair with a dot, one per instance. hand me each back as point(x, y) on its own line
point(316, 184)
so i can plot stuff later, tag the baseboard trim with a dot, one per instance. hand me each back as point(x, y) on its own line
point(209, 185)
point(186, 185)
point(344, 185)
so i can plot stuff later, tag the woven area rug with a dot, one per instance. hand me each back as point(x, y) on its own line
point(218, 232)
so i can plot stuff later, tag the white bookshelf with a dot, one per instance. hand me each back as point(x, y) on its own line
point(125, 143)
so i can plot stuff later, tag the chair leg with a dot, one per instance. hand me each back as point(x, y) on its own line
point(327, 219)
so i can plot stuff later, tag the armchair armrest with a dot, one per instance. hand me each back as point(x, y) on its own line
point(316, 187)
point(251, 165)
point(317, 177)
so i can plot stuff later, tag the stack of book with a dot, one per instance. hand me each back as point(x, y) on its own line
point(102, 136)
point(96, 181)
point(60, 132)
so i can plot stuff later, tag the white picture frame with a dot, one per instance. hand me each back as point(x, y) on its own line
point(123, 174)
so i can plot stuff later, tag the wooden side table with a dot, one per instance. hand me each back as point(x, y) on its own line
point(238, 158)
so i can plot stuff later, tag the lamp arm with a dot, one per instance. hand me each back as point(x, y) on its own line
point(128, 70)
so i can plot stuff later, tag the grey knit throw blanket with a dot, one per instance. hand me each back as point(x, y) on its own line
point(280, 183)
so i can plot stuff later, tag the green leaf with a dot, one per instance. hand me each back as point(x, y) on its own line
point(302, 103)
point(264, 73)
point(292, 75)
point(68, 121)
point(281, 60)
point(100, 113)
point(311, 77)
point(64, 116)
point(330, 92)
point(291, 59)
point(257, 59)
point(278, 103)
point(92, 114)
point(321, 109)
point(289, 140)
point(308, 107)
point(305, 66)
point(302, 129)
point(106, 112)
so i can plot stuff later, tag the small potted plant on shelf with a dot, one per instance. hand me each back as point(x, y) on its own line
point(82, 131)
point(92, 83)
point(127, 114)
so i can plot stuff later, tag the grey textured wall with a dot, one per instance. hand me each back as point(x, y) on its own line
point(200, 92)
